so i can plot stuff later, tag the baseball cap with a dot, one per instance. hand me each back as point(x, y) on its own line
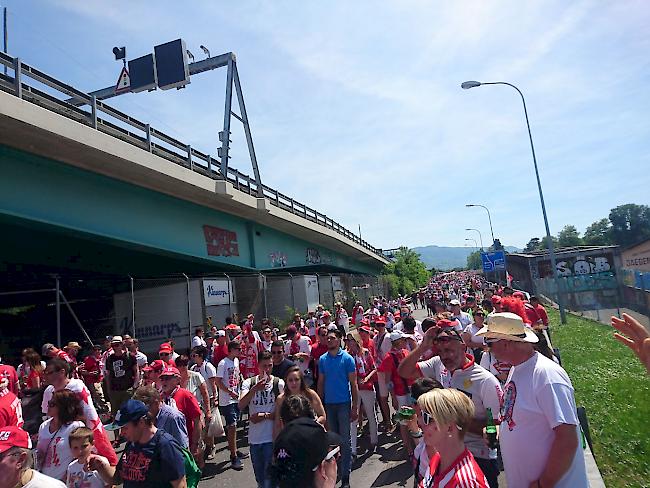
point(365, 328)
point(12, 436)
point(378, 320)
point(293, 464)
point(116, 339)
point(326, 313)
point(46, 348)
point(171, 371)
point(232, 327)
point(73, 345)
point(221, 333)
point(507, 326)
point(165, 347)
point(130, 410)
point(332, 327)
point(396, 336)
point(454, 302)
point(519, 294)
point(158, 365)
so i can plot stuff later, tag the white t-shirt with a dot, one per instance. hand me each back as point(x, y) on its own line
point(464, 318)
point(141, 359)
point(304, 345)
point(478, 384)
point(420, 453)
point(494, 366)
point(198, 341)
point(228, 371)
point(39, 480)
point(78, 477)
point(538, 397)
point(382, 347)
point(418, 327)
point(194, 382)
point(262, 402)
point(53, 448)
point(207, 371)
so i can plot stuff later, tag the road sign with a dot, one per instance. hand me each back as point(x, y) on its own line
point(123, 82)
point(172, 69)
point(142, 71)
point(493, 261)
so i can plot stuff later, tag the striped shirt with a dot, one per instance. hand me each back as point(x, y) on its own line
point(463, 473)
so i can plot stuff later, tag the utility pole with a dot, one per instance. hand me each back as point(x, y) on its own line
point(5, 34)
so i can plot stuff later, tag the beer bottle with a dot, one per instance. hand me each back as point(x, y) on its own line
point(491, 432)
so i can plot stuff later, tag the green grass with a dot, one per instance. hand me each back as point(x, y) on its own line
point(615, 390)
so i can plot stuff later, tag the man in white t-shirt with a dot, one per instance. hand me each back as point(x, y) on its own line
point(297, 348)
point(198, 339)
point(455, 369)
point(228, 381)
point(259, 394)
point(464, 318)
point(539, 426)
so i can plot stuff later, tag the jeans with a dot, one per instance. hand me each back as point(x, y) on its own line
point(261, 457)
point(338, 420)
point(367, 399)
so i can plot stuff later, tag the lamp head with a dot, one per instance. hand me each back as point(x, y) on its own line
point(466, 85)
point(470, 205)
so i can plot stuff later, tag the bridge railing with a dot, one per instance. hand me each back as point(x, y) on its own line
point(35, 86)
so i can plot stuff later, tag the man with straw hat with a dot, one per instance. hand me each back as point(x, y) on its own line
point(538, 404)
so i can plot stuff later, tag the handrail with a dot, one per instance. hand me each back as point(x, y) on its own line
point(151, 140)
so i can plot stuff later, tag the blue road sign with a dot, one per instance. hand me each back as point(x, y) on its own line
point(493, 261)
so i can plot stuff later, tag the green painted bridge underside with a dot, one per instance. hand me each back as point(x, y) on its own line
point(50, 204)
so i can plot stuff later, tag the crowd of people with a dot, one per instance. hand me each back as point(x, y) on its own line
point(304, 396)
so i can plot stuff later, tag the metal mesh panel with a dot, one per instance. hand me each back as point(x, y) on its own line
point(325, 293)
point(280, 298)
point(250, 292)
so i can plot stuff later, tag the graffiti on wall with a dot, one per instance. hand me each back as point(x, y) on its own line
point(578, 266)
point(220, 242)
point(313, 256)
point(583, 282)
point(278, 259)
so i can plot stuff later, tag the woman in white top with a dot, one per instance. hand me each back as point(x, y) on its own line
point(53, 448)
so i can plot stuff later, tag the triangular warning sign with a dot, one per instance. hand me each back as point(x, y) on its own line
point(123, 82)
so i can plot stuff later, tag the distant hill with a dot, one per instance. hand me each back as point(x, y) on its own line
point(441, 257)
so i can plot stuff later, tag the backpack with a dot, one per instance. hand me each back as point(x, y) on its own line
point(192, 470)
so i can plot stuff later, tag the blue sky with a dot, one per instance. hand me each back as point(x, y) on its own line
point(356, 107)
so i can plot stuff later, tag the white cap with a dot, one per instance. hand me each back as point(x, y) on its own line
point(116, 339)
point(396, 335)
point(221, 333)
point(454, 302)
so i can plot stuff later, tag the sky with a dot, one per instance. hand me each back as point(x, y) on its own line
point(356, 107)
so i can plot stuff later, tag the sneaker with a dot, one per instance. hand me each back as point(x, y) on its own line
point(235, 463)
point(242, 455)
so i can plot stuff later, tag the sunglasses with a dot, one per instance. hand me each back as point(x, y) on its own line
point(163, 354)
point(427, 419)
point(489, 342)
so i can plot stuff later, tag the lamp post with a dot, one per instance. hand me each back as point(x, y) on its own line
point(489, 217)
point(479, 236)
point(560, 301)
point(474, 241)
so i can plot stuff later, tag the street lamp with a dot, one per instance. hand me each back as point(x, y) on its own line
point(479, 236)
point(489, 216)
point(473, 84)
point(474, 241)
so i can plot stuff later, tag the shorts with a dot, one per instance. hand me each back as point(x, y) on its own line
point(230, 413)
point(403, 400)
point(117, 398)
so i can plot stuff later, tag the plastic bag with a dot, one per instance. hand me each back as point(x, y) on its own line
point(215, 429)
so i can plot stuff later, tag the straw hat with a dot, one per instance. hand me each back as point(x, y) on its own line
point(507, 326)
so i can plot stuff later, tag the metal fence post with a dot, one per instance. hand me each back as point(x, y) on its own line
point(58, 313)
point(18, 87)
point(94, 111)
point(189, 311)
point(147, 130)
point(230, 288)
point(293, 298)
point(266, 312)
point(132, 307)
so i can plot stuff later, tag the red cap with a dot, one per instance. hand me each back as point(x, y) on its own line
point(519, 294)
point(365, 328)
point(379, 320)
point(446, 324)
point(14, 437)
point(158, 365)
point(171, 371)
point(232, 327)
point(326, 314)
point(165, 347)
point(496, 299)
point(147, 368)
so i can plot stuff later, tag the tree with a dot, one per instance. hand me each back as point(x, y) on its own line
point(630, 223)
point(474, 261)
point(598, 234)
point(569, 237)
point(406, 273)
point(543, 245)
point(533, 245)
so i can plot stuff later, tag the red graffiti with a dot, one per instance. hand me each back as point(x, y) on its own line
point(220, 242)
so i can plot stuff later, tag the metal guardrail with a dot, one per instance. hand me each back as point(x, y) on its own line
point(150, 139)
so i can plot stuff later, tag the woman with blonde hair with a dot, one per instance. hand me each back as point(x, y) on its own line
point(445, 415)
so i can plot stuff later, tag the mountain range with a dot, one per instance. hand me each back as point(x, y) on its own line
point(441, 257)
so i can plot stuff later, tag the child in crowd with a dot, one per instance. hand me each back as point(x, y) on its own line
point(81, 444)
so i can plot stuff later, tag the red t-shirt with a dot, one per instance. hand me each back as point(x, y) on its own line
point(370, 345)
point(11, 411)
point(92, 365)
point(30, 382)
point(316, 352)
point(65, 356)
point(186, 403)
point(9, 372)
point(220, 352)
point(389, 366)
point(541, 311)
point(365, 365)
point(464, 472)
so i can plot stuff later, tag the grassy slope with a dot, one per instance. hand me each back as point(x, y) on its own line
point(615, 391)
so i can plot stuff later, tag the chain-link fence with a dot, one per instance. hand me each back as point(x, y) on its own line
point(154, 310)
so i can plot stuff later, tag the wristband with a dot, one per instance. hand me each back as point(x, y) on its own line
point(417, 434)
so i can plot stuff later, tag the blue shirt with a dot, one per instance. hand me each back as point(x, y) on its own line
point(153, 464)
point(336, 370)
point(172, 421)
